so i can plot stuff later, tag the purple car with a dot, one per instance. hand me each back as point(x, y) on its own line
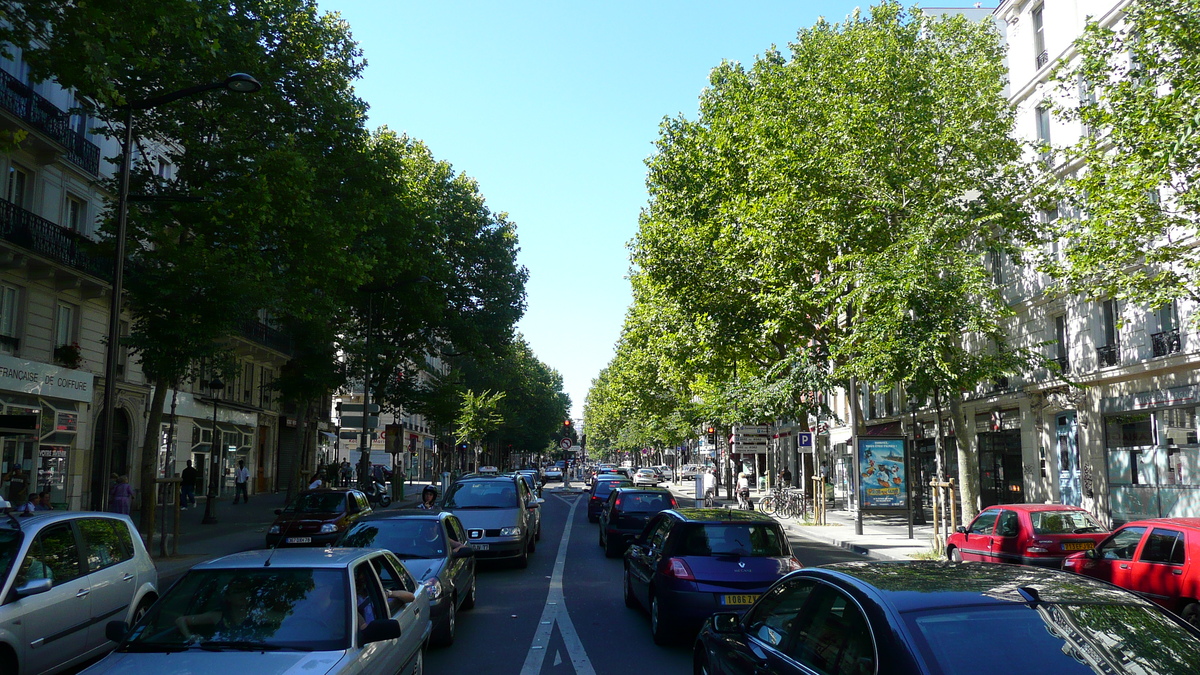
point(689, 563)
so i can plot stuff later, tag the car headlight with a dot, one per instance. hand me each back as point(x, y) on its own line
point(435, 589)
point(510, 532)
point(274, 529)
point(328, 527)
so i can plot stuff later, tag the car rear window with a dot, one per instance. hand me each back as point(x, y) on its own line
point(757, 540)
point(604, 487)
point(642, 502)
point(1055, 638)
point(1064, 522)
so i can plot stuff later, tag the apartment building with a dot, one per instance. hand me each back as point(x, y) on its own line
point(55, 291)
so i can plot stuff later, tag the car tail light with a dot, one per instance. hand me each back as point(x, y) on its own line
point(794, 564)
point(679, 569)
point(1039, 546)
point(617, 504)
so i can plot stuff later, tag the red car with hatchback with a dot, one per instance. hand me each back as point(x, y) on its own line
point(1026, 534)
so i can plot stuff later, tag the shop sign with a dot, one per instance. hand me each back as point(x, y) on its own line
point(45, 379)
point(67, 421)
point(53, 451)
point(1188, 394)
point(884, 480)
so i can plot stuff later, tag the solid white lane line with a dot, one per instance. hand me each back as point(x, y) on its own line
point(556, 613)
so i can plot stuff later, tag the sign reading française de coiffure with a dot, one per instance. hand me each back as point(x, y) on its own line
point(45, 379)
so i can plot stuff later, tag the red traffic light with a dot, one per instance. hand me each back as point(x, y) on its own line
point(566, 423)
point(712, 430)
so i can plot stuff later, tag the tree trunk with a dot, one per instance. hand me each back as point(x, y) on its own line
point(298, 481)
point(148, 466)
point(968, 459)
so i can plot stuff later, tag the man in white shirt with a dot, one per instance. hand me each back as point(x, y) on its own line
point(241, 477)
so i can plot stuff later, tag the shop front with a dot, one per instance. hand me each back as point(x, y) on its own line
point(41, 431)
point(236, 432)
point(1001, 477)
point(1153, 453)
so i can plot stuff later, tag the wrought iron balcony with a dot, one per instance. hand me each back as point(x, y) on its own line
point(1042, 59)
point(43, 237)
point(257, 331)
point(1108, 355)
point(19, 99)
point(1166, 342)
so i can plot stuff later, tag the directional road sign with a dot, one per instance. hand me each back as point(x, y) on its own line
point(356, 421)
point(357, 408)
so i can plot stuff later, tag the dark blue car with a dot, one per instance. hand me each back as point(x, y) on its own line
point(689, 563)
point(600, 492)
point(942, 618)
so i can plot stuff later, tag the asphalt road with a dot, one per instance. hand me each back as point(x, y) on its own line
point(525, 623)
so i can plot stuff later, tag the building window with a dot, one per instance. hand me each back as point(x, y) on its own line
point(1166, 340)
point(1041, 57)
point(123, 348)
point(247, 382)
point(1042, 116)
point(1060, 348)
point(76, 212)
point(1109, 352)
point(9, 306)
point(19, 182)
point(64, 324)
point(996, 258)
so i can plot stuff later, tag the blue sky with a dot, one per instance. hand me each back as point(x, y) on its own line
point(553, 107)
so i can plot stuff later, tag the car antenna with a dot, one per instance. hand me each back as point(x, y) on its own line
point(282, 535)
point(1032, 597)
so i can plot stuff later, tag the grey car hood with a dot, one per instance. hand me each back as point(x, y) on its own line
point(487, 519)
point(199, 661)
point(423, 568)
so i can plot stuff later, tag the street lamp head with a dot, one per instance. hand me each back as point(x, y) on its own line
point(216, 384)
point(242, 83)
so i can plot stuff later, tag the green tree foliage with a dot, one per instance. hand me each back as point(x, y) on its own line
point(1130, 216)
point(478, 416)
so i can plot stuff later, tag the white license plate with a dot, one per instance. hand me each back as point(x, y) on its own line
point(299, 540)
point(480, 547)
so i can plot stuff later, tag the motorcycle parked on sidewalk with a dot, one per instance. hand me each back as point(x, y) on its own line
point(377, 495)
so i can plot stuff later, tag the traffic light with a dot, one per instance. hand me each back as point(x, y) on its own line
point(566, 423)
point(712, 435)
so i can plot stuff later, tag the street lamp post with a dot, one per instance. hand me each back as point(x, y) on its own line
point(919, 510)
point(214, 451)
point(238, 82)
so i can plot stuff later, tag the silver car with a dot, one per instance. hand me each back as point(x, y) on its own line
point(307, 610)
point(64, 575)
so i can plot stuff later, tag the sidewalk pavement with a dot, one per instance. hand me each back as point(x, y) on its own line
point(884, 537)
point(239, 527)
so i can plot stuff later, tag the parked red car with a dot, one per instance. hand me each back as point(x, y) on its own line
point(1025, 534)
point(1159, 558)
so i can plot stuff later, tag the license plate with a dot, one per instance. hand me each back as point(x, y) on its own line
point(299, 540)
point(739, 599)
point(480, 547)
point(1078, 546)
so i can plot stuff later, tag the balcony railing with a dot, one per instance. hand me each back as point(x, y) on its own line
point(41, 236)
point(1043, 59)
point(257, 331)
point(1064, 365)
point(1166, 342)
point(1108, 355)
point(19, 99)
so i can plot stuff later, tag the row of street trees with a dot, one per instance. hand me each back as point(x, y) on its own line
point(364, 248)
point(828, 218)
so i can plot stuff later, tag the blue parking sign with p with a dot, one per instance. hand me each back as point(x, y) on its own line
point(804, 439)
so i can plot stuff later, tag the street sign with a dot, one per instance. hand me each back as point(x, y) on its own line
point(358, 408)
point(804, 439)
point(356, 421)
point(751, 429)
point(354, 435)
point(565, 444)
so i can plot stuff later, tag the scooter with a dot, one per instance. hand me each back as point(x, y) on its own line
point(377, 495)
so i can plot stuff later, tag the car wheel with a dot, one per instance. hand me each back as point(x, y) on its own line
point(419, 662)
point(469, 601)
point(700, 662)
point(630, 601)
point(538, 535)
point(523, 560)
point(954, 555)
point(1191, 614)
point(611, 551)
point(142, 608)
point(659, 630)
point(532, 544)
point(602, 538)
point(444, 635)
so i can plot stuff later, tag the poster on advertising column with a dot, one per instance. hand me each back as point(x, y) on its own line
point(884, 478)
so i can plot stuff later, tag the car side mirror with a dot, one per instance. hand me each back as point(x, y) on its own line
point(1091, 554)
point(726, 622)
point(463, 552)
point(961, 529)
point(34, 587)
point(380, 630)
point(116, 631)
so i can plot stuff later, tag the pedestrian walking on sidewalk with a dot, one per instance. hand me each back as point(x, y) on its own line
point(120, 497)
point(241, 478)
point(187, 486)
point(347, 473)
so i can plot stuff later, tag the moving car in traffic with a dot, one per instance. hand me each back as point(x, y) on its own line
point(605, 483)
point(432, 546)
point(500, 516)
point(939, 618)
point(626, 513)
point(689, 563)
point(329, 611)
point(1158, 558)
point(317, 517)
point(1025, 534)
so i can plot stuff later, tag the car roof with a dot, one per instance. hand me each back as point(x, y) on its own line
point(477, 477)
point(923, 584)
point(1034, 507)
point(40, 519)
point(714, 515)
point(405, 514)
point(329, 491)
point(625, 489)
point(1191, 523)
point(332, 558)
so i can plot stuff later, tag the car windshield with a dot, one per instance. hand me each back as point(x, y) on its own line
point(489, 494)
point(1068, 639)
point(10, 544)
point(1064, 522)
point(260, 609)
point(406, 537)
point(333, 502)
point(646, 502)
point(756, 540)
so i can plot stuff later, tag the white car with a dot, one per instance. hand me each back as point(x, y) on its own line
point(553, 473)
point(666, 472)
point(645, 477)
point(63, 575)
point(295, 610)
